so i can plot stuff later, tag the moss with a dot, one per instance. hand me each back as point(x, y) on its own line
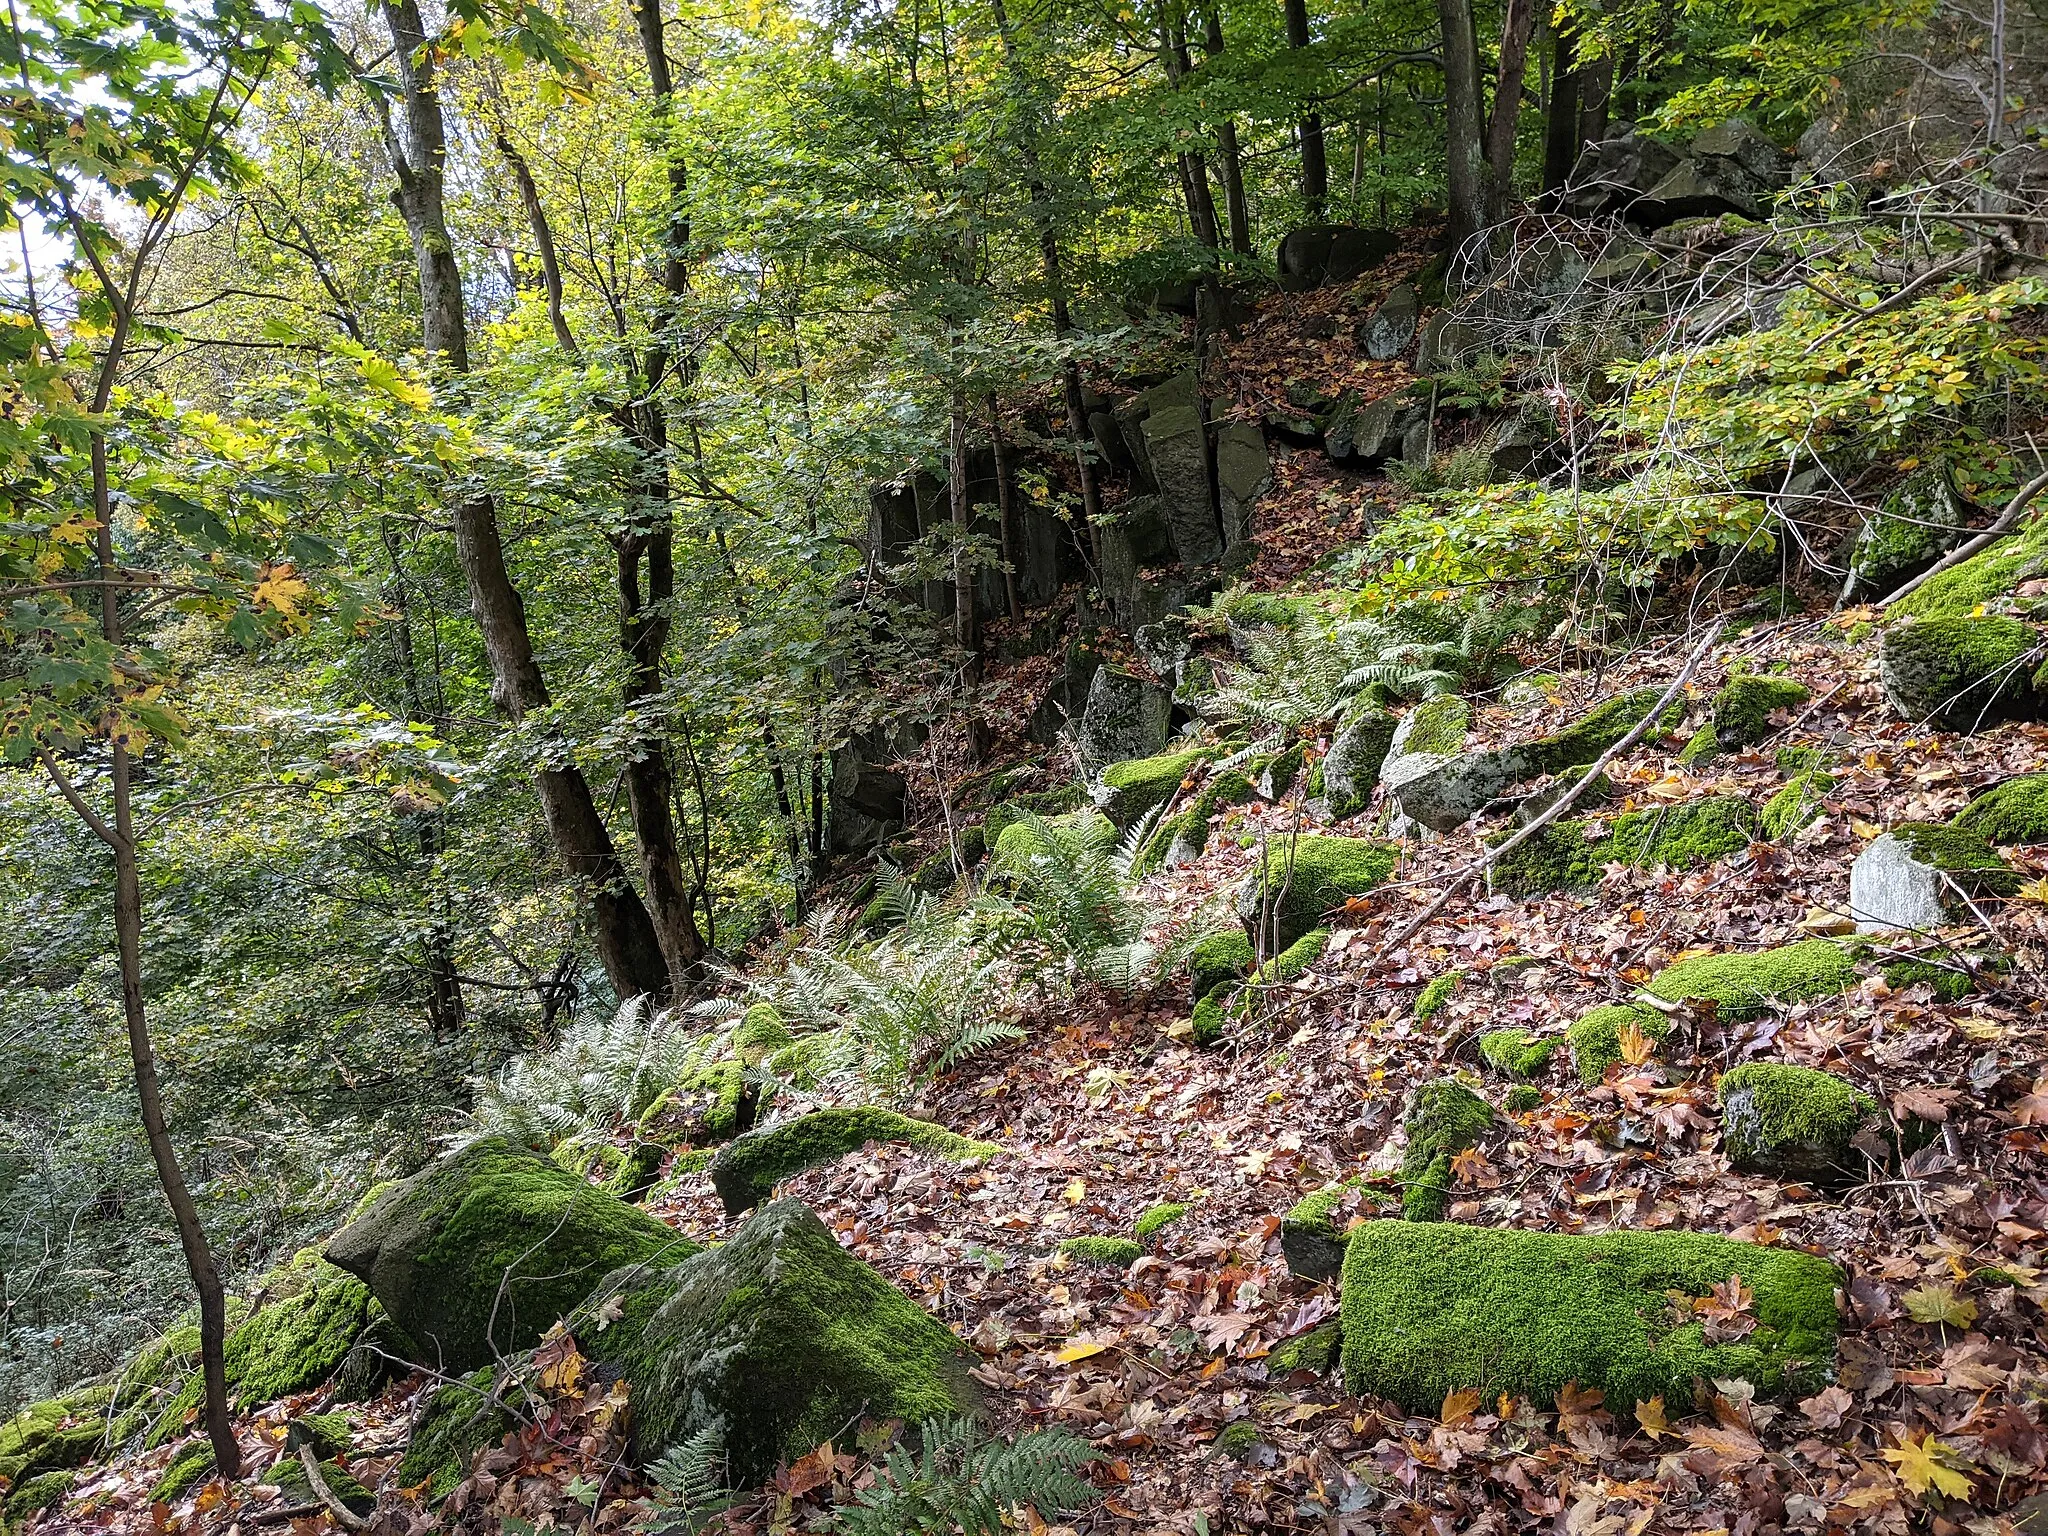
point(1433, 1309)
point(1961, 854)
point(191, 1466)
point(1704, 747)
point(57, 1434)
point(460, 1419)
point(1983, 578)
point(1742, 710)
point(776, 1341)
point(1310, 1238)
point(1107, 1252)
point(1745, 984)
point(1275, 772)
point(1220, 959)
point(1208, 1020)
point(1600, 728)
point(747, 1169)
point(1319, 876)
point(1293, 961)
point(1016, 847)
point(37, 1493)
point(1052, 802)
point(1442, 1119)
point(2013, 812)
point(382, 1352)
point(1516, 1052)
point(638, 1171)
point(1432, 997)
point(760, 1035)
point(1677, 837)
point(1595, 1037)
point(1143, 784)
point(1959, 672)
point(804, 1062)
point(290, 1475)
point(1949, 985)
point(1522, 1098)
point(1317, 1350)
point(1795, 760)
point(1796, 804)
point(481, 1252)
point(1438, 726)
point(1189, 828)
point(1157, 1219)
point(1240, 1438)
point(1791, 1122)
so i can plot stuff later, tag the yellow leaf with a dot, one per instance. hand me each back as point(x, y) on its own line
point(279, 587)
point(1635, 1045)
point(1459, 1407)
point(1650, 1416)
point(1865, 829)
point(2034, 891)
point(1080, 1349)
point(1927, 1463)
point(1077, 1190)
point(1939, 1304)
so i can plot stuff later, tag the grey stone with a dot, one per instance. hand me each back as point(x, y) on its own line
point(1178, 447)
point(1615, 173)
point(1109, 442)
point(1964, 673)
point(1738, 142)
point(1515, 443)
point(1446, 342)
point(1356, 753)
point(1415, 440)
point(1366, 432)
point(1244, 473)
point(1890, 888)
point(1919, 522)
point(1392, 325)
point(1426, 741)
point(869, 802)
point(1331, 253)
point(1125, 717)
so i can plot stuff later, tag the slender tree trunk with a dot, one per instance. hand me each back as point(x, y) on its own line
point(1005, 508)
point(1596, 95)
point(1315, 167)
point(1518, 21)
point(1226, 147)
point(543, 242)
point(1464, 150)
point(1561, 123)
point(965, 628)
point(1194, 166)
point(621, 929)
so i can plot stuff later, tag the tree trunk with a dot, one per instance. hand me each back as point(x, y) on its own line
point(1596, 93)
point(1315, 167)
point(1518, 21)
point(965, 628)
point(623, 933)
point(543, 242)
point(1226, 148)
point(1561, 123)
point(1005, 508)
point(1464, 150)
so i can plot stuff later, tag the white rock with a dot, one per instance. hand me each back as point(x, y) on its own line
point(1890, 888)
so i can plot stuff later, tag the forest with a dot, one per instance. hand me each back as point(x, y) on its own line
point(958, 766)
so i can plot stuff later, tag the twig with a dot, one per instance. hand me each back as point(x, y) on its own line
point(2001, 525)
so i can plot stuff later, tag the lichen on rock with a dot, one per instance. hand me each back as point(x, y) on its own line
point(747, 1168)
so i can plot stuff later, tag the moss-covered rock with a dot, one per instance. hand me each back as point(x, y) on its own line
point(1209, 1023)
point(1310, 1238)
point(1950, 983)
point(481, 1252)
point(1521, 1099)
point(1222, 1006)
point(191, 1466)
point(1918, 522)
point(2013, 812)
point(1989, 577)
point(1441, 1120)
point(1517, 1052)
point(1433, 996)
point(1317, 1350)
point(1353, 766)
point(776, 1341)
point(1183, 837)
point(1299, 882)
point(460, 1419)
point(1051, 802)
point(1742, 710)
point(57, 1434)
point(1962, 673)
point(1131, 790)
point(1218, 960)
point(40, 1492)
point(1431, 1309)
point(1595, 1037)
point(1239, 1440)
point(747, 1168)
point(1156, 1219)
point(1796, 803)
point(1704, 747)
point(1104, 1252)
point(1919, 875)
point(1743, 985)
point(1600, 728)
point(1565, 854)
point(761, 1033)
point(1794, 1123)
point(290, 1475)
point(1026, 841)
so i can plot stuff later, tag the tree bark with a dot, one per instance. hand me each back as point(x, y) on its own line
point(1227, 151)
point(1561, 122)
point(1005, 508)
point(1315, 165)
point(1518, 21)
point(965, 628)
point(1464, 150)
point(1596, 94)
point(623, 933)
point(543, 242)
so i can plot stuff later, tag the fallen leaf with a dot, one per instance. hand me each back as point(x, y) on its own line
point(1926, 1463)
point(1939, 1303)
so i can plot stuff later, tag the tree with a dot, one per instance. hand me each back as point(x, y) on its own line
point(1315, 169)
point(1464, 144)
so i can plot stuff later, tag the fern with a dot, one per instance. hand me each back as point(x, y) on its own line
point(689, 1480)
point(960, 1479)
point(1068, 916)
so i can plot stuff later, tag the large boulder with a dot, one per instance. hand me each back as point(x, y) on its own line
point(1331, 253)
point(1916, 524)
point(869, 802)
point(771, 1344)
point(479, 1253)
point(1432, 1308)
point(1964, 673)
point(1392, 325)
point(2015, 812)
point(1126, 716)
point(1132, 789)
point(1302, 879)
point(1616, 173)
point(1731, 168)
point(1176, 442)
point(1244, 473)
point(1356, 753)
point(1919, 876)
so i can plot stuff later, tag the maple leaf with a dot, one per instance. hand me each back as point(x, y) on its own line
point(1576, 1409)
point(1828, 1407)
point(1733, 1445)
point(2033, 1109)
point(1926, 1463)
point(1650, 1418)
point(1939, 1304)
point(1929, 1104)
point(279, 587)
point(1459, 1407)
point(1634, 1044)
point(2034, 891)
point(807, 1472)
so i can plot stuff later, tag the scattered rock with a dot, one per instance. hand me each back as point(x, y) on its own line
point(1434, 1308)
point(1964, 673)
point(460, 1419)
point(1310, 1239)
point(1299, 882)
point(747, 1168)
point(1357, 751)
point(1916, 876)
point(2013, 812)
point(1126, 716)
point(1744, 985)
point(1131, 790)
point(1177, 444)
point(1392, 325)
point(1795, 1124)
point(1917, 523)
point(1441, 1119)
point(1616, 173)
point(1244, 473)
point(1595, 1037)
point(1332, 253)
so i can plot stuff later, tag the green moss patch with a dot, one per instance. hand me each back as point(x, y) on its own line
point(1949, 984)
point(1563, 855)
point(1595, 1037)
point(1317, 1350)
point(481, 1252)
point(2013, 812)
point(1961, 854)
point(1310, 1238)
point(1220, 959)
point(1437, 726)
point(747, 1169)
point(290, 1475)
point(460, 1419)
point(57, 1434)
point(1140, 785)
point(1600, 728)
point(1522, 1098)
point(761, 1034)
point(1517, 1052)
point(1431, 1309)
point(1983, 578)
point(190, 1467)
point(1792, 1122)
point(1105, 1252)
point(40, 1492)
point(1436, 994)
point(1188, 829)
point(1442, 1119)
point(1157, 1219)
point(1296, 885)
point(1796, 804)
point(1742, 710)
point(1961, 673)
point(1745, 984)
point(1222, 1006)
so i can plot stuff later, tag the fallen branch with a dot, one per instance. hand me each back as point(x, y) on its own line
point(348, 1518)
point(2000, 527)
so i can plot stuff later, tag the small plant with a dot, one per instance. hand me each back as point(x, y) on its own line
point(690, 1491)
point(960, 1479)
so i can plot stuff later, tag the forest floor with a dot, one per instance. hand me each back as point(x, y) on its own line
point(1107, 1109)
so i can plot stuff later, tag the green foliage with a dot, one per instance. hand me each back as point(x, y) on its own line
point(690, 1481)
point(747, 1169)
point(960, 1479)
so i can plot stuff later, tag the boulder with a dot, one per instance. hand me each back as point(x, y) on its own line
point(1392, 325)
point(1916, 524)
point(1742, 710)
point(461, 1418)
point(869, 802)
point(1446, 342)
point(1964, 673)
point(1244, 473)
point(1595, 1037)
point(1798, 803)
point(1745, 984)
point(1331, 253)
point(1300, 881)
point(482, 1251)
point(1423, 746)
point(1432, 1308)
point(1574, 853)
point(1615, 173)
point(1177, 444)
point(1311, 1236)
point(1441, 1119)
point(1131, 790)
point(770, 1344)
point(1516, 1052)
point(747, 1168)
point(1357, 750)
point(1217, 961)
point(1126, 716)
point(2015, 812)
point(1917, 875)
point(1796, 1124)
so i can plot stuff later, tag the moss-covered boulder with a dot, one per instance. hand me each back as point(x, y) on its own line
point(761, 1033)
point(747, 1168)
point(1796, 804)
point(1568, 854)
point(1431, 1309)
point(1311, 1239)
point(2014, 812)
point(41, 1492)
point(1964, 673)
point(1156, 1219)
point(1794, 1123)
point(1518, 1053)
point(58, 1434)
point(1317, 1350)
point(1183, 837)
point(1596, 1035)
point(1032, 840)
point(1356, 752)
point(290, 1475)
point(1917, 523)
point(1131, 790)
point(1441, 1120)
point(1990, 577)
point(1300, 881)
point(1216, 1009)
point(775, 1342)
point(1920, 876)
point(461, 1418)
point(189, 1467)
point(1742, 710)
point(1743, 985)
point(1218, 960)
point(1103, 1252)
point(480, 1253)
point(1437, 992)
